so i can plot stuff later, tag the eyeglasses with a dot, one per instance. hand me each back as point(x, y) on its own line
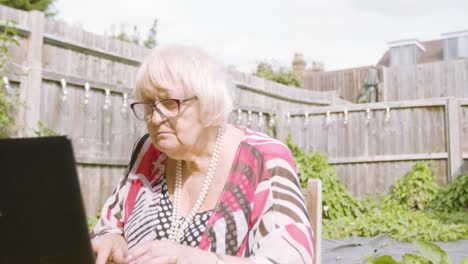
point(169, 108)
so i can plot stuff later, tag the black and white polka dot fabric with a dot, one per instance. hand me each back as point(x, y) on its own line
point(192, 234)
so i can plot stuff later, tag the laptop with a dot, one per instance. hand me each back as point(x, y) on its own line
point(42, 218)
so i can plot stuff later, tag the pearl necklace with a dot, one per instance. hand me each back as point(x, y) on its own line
point(176, 231)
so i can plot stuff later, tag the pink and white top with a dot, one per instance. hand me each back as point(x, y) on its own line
point(261, 213)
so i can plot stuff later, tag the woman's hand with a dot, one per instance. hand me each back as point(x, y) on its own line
point(168, 252)
point(110, 247)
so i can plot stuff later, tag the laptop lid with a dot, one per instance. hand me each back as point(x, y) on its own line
point(42, 218)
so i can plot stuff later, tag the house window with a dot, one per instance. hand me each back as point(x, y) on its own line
point(463, 47)
point(456, 47)
point(404, 55)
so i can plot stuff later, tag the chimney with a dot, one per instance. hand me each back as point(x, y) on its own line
point(298, 64)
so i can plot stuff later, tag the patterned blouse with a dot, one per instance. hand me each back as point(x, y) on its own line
point(260, 213)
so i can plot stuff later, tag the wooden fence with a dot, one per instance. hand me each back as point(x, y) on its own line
point(80, 84)
point(430, 80)
point(347, 83)
point(370, 145)
point(398, 83)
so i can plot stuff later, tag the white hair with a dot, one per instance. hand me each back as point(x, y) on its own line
point(193, 71)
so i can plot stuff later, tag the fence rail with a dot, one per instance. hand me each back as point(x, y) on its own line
point(347, 83)
point(398, 83)
point(371, 145)
point(430, 80)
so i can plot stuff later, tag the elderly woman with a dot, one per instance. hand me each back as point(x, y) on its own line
point(199, 190)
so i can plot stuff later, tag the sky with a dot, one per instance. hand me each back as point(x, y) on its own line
point(339, 33)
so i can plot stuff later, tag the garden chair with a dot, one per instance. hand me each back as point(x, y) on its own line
point(314, 208)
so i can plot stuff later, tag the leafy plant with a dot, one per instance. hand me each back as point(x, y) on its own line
point(410, 258)
point(416, 189)
point(28, 5)
point(135, 36)
point(43, 130)
point(402, 214)
point(383, 260)
point(337, 201)
point(431, 253)
point(150, 41)
point(454, 217)
point(7, 122)
point(92, 221)
point(7, 100)
point(282, 75)
point(453, 197)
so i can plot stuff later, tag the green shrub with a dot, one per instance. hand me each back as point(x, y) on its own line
point(408, 213)
point(452, 197)
point(7, 122)
point(416, 189)
point(7, 104)
point(44, 131)
point(337, 201)
point(92, 221)
point(430, 254)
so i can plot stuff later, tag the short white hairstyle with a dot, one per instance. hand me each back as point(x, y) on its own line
point(193, 71)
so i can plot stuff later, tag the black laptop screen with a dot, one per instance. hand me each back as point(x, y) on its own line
point(42, 219)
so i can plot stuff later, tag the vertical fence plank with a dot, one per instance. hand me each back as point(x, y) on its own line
point(429, 80)
point(453, 136)
point(30, 87)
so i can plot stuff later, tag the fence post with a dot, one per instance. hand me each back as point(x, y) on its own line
point(281, 124)
point(30, 87)
point(383, 84)
point(453, 138)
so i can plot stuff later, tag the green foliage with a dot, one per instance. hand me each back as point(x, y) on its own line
point(398, 223)
point(7, 122)
point(368, 94)
point(410, 258)
point(452, 197)
point(383, 260)
point(400, 214)
point(135, 36)
point(92, 221)
point(416, 189)
point(454, 217)
point(282, 75)
point(337, 201)
point(7, 38)
point(8, 101)
point(28, 5)
point(150, 41)
point(431, 254)
point(43, 130)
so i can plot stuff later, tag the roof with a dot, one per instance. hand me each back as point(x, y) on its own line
point(434, 52)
